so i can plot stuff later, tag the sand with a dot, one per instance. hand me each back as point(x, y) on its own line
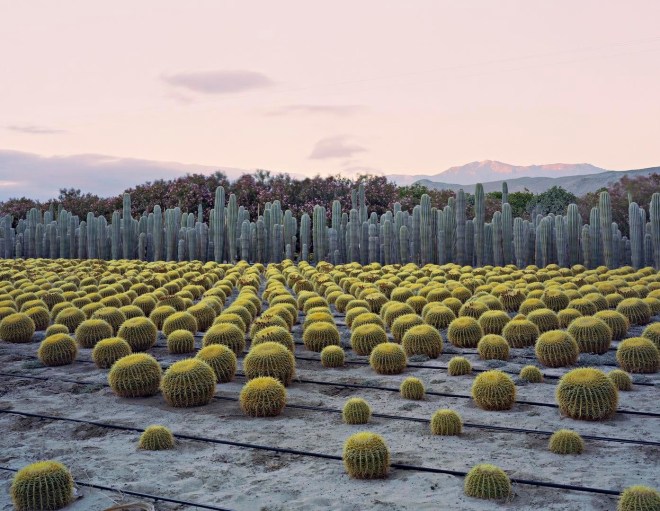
point(245, 479)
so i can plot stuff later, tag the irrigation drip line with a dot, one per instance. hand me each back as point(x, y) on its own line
point(155, 498)
point(505, 429)
point(311, 454)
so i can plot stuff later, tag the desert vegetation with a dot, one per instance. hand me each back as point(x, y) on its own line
point(403, 334)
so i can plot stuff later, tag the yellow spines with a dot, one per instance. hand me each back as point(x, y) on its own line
point(45, 485)
point(263, 397)
point(189, 382)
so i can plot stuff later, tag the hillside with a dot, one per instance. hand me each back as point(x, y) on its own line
point(482, 171)
point(578, 185)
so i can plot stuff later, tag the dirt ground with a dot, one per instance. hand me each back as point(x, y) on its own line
point(240, 478)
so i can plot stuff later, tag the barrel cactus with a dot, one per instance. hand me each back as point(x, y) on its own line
point(621, 379)
point(459, 366)
point(108, 351)
point(388, 358)
point(204, 314)
point(636, 311)
point(136, 375)
point(557, 348)
point(180, 321)
point(71, 317)
point(332, 356)
point(356, 411)
point(566, 441)
point(263, 397)
point(446, 422)
point(412, 388)
point(156, 438)
point(404, 323)
point(270, 359)
point(494, 321)
point(274, 334)
point(587, 394)
point(140, 333)
point(366, 456)
point(438, 316)
point(366, 337)
point(422, 340)
point(494, 390)
point(160, 314)
point(544, 319)
point(532, 374)
point(57, 350)
point(486, 481)
point(493, 347)
point(228, 334)
point(520, 332)
point(566, 317)
point(187, 383)
point(591, 334)
point(639, 498)
point(17, 328)
point(555, 299)
point(638, 355)
point(91, 331)
point(221, 359)
point(473, 309)
point(616, 321)
point(41, 486)
point(464, 332)
point(652, 332)
point(180, 341)
point(319, 335)
point(57, 329)
point(112, 315)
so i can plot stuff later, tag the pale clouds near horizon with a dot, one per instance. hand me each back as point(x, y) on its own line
point(307, 87)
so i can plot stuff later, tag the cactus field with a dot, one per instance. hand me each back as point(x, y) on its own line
point(288, 385)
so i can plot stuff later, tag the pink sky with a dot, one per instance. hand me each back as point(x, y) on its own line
point(309, 86)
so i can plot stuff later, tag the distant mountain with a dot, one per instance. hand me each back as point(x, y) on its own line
point(578, 185)
point(489, 170)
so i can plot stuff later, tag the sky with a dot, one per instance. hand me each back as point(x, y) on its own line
point(393, 87)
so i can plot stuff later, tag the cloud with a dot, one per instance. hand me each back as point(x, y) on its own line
point(338, 110)
point(41, 177)
point(335, 147)
point(219, 82)
point(34, 130)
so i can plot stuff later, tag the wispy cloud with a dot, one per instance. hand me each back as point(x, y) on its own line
point(338, 110)
point(34, 130)
point(335, 147)
point(219, 82)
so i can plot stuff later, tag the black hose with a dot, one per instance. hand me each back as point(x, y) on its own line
point(311, 454)
point(155, 498)
point(505, 429)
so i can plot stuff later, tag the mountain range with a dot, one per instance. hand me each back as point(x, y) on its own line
point(39, 177)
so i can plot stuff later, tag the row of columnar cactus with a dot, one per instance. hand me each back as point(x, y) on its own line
point(424, 235)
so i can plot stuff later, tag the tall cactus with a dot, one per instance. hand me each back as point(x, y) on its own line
point(460, 227)
point(497, 238)
point(305, 242)
point(595, 237)
point(505, 193)
point(519, 242)
point(425, 230)
point(561, 236)
point(654, 218)
point(387, 241)
point(605, 210)
point(127, 224)
point(404, 239)
point(469, 242)
point(636, 235)
point(507, 232)
point(232, 219)
point(573, 227)
point(479, 219)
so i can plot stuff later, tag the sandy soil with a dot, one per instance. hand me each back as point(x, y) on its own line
point(247, 479)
